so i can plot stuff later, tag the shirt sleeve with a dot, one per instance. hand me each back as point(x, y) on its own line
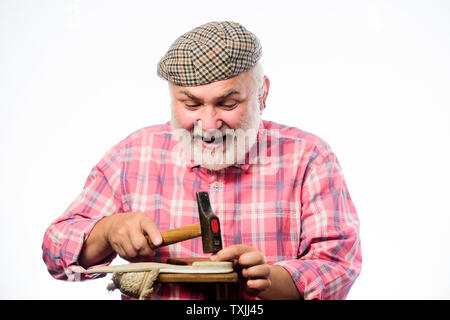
point(64, 238)
point(329, 255)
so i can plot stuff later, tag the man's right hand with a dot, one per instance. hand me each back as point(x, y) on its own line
point(123, 233)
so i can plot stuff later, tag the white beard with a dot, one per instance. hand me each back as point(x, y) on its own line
point(227, 151)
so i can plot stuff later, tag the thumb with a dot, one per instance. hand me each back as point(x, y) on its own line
point(149, 227)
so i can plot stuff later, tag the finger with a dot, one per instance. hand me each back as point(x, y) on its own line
point(119, 250)
point(120, 242)
point(261, 271)
point(131, 238)
point(140, 244)
point(258, 284)
point(149, 227)
point(251, 258)
point(128, 248)
point(123, 251)
point(232, 252)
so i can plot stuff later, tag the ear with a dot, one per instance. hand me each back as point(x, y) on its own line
point(265, 93)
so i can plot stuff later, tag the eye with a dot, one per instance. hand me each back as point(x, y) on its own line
point(192, 106)
point(228, 106)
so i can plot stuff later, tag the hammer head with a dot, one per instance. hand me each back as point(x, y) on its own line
point(209, 223)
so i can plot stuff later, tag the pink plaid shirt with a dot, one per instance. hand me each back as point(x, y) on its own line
point(295, 208)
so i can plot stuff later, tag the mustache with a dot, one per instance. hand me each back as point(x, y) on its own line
point(210, 135)
point(216, 137)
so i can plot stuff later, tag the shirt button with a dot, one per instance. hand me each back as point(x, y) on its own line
point(216, 185)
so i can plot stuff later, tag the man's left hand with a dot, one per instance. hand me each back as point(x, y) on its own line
point(254, 270)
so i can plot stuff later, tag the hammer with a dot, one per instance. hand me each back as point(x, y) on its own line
point(208, 228)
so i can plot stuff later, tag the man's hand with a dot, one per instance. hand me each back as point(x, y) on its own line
point(126, 232)
point(255, 271)
point(123, 233)
point(261, 279)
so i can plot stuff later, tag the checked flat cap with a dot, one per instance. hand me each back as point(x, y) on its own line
point(212, 52)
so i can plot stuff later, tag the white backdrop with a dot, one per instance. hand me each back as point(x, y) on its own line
point(372, 78)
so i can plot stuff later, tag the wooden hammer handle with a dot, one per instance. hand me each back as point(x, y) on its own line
point(177, 235)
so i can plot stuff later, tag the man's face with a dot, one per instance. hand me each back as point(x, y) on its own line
point(216, 118)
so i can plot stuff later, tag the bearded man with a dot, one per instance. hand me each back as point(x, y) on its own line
point(287, 219)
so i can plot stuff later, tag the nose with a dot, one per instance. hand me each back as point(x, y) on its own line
point(210, 118)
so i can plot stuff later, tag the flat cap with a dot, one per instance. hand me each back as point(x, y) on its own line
point(212, 52)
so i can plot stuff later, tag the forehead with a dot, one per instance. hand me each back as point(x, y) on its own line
point(241, 83)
